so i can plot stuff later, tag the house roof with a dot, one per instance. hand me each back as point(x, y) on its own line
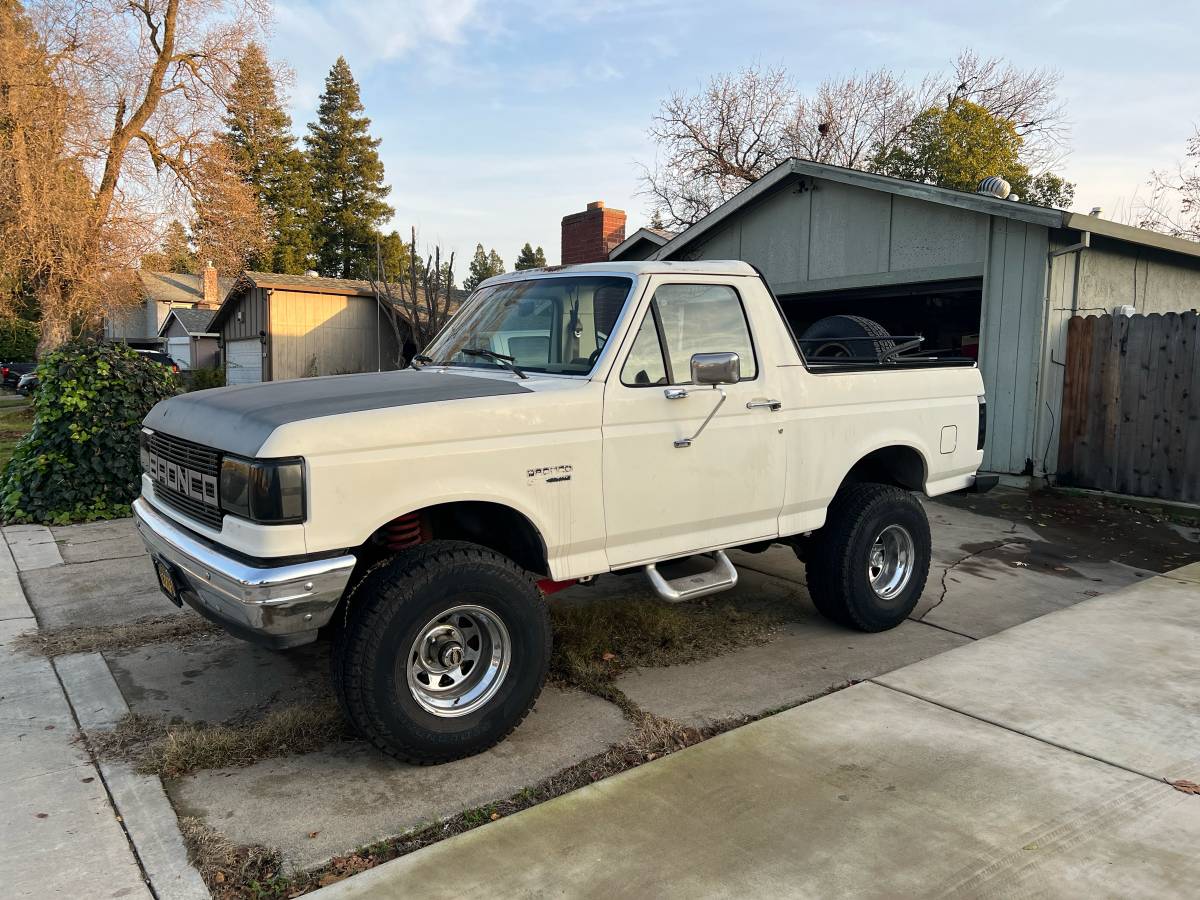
point(311, 284)
point(656, 236)
point(993, 206)
point(178, 287)
point(194, 321)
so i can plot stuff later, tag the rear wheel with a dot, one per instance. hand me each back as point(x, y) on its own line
point(442, 652)
point(867, 567)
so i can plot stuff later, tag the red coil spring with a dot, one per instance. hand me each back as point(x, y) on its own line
point(406, 531)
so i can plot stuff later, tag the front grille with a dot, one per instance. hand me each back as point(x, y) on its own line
point(191, 456)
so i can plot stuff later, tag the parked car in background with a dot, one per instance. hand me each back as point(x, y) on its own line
point(11, 372)
point(159, 357)
point(27, 383)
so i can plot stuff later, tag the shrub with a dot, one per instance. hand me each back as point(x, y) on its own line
point(18, 340)
point(203, 379)
point(80, 462)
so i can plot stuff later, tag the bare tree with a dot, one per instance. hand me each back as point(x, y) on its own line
point(1174, 204)
point(714, 143)
point(139, 86)
point(848, 120)
point(422, 301)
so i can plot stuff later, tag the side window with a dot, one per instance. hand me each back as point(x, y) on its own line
point(703, 318)
point(644, 365)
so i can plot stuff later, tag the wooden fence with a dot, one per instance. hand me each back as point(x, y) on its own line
point(1131, 405)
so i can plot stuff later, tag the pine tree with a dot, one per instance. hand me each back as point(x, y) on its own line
point(259, 138)
point(529, 258)
point(483, 266)
point(395, 255)
point(174, 253)
point(347, 179)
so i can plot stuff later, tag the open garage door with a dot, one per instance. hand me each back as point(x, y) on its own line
point(947, 313)
point(243, 361)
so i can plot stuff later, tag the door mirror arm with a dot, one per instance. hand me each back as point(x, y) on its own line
point(687, 442)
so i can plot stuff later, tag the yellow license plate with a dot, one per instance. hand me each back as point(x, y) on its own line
point(167, 581)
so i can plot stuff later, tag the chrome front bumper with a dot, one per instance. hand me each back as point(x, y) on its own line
point(278, 606)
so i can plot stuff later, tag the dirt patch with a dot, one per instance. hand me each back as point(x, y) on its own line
point(98, 639)
point(158, 747)
point(1095, 529)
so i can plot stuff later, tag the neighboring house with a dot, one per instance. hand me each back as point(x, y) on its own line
point(141, 325)
point(642, 244)
point(975, 274)
point(273, 327)
point(189, 341)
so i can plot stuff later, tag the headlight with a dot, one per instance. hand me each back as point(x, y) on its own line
point(270, 491)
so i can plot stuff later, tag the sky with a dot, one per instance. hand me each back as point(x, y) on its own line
point(499, 118)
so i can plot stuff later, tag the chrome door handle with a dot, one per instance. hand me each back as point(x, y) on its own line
point(772, 405)
point(675, 393)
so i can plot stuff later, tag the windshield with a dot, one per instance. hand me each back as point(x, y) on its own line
point(553, 325)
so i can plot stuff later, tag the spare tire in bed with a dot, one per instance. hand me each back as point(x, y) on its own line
point(833, 338)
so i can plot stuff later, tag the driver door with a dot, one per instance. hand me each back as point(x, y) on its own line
point(662, 500)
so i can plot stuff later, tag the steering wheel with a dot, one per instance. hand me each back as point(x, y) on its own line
point(593, 356)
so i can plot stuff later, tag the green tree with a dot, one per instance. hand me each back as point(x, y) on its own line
point(529, 258)
point(174, 253)
point(962, 143)
point(483, 266)
point(258, 134)
point(395, 255)
point(347, 179)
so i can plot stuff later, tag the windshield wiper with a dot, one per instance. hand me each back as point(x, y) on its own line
point(506, 361)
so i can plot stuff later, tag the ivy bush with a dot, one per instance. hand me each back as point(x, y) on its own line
point(203, 379)
point(80, 461)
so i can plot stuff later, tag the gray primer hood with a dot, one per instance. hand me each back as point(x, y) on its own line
point(239, 419)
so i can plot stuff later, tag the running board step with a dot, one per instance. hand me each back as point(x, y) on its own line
point(721, 577)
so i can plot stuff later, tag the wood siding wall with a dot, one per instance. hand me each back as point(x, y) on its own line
point(827, 236)
point(1131, 405)
point(326, 334)
point(1010, 341)
point(253, 306)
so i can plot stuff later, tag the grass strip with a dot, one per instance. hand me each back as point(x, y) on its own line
point(102, 638)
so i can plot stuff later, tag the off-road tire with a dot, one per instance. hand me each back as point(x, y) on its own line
point(837, 561)
point(820, 339)
point(383, 615)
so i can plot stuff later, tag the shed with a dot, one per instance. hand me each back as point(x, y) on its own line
point(975, 274)
point(190, 342)
point(275, 326)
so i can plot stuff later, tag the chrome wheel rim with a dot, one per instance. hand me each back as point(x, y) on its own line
point(890, 562)
point(458, 661)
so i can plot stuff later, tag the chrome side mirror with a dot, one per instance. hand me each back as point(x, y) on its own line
point(716, 368)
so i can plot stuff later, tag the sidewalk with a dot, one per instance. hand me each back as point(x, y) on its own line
point(1031, 762)
point(60, 834)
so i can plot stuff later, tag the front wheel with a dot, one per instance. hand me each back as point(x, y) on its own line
point(442, 653)
point(867, 566)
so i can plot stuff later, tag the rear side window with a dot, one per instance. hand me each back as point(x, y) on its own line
point(684, 319)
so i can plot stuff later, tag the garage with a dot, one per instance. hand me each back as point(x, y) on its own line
point(975, 274)
point(243, 361)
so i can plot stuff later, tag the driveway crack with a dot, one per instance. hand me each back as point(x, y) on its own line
point(991, 545)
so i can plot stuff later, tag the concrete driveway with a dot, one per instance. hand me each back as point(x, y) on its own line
point(990, 572)
point(1035, 762)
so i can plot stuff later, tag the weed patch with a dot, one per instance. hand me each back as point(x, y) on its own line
point(594, 643)
point(93, 639)
point(157, 747)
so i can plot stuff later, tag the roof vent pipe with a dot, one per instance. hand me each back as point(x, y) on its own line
point(994, 187)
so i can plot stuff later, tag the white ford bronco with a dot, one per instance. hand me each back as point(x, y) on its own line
point(566, 423)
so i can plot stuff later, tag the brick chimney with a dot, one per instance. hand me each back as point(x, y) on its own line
point(588, 236)
point(212, 292)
